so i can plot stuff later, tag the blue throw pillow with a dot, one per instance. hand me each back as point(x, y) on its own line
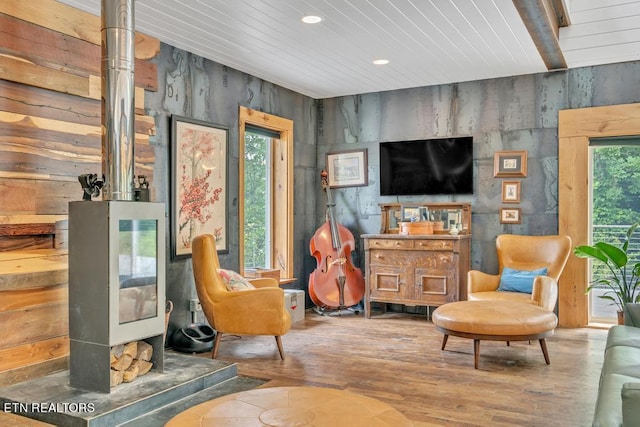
point(519, 280)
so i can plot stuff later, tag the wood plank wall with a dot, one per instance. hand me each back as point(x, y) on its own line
point(50, 132)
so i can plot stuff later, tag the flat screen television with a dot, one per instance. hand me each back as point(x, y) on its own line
point(426, 167)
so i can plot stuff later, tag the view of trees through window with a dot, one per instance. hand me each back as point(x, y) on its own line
point(256, 211)
point(616, 205)
point(616, 185)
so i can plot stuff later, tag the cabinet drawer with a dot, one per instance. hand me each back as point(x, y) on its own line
point(390, 258)
point(390, 244)
point(434, 245)
point(435, 260)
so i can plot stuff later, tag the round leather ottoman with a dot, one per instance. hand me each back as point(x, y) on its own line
point(495, 321)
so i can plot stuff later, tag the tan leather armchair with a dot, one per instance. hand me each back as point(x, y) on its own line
point(259, 311)
point(524, 253)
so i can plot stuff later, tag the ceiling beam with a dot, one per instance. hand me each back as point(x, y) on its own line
point(543, 19)
point(562, 12)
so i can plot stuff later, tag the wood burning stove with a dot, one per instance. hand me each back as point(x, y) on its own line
point(117, 246)
point(117, 261)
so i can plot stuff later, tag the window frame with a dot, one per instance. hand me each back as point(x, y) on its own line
point(576, 127)
point(282, 187)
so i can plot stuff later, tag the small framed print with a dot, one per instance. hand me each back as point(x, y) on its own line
point(510, 191)
point(347, 168)
point(411, 214)
point(510, 164)
point(510, 216)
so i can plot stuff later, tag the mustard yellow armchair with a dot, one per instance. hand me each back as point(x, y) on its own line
point(524, 253)
point(259, 311)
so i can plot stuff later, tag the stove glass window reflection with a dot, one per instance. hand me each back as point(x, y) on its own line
point(138, 269)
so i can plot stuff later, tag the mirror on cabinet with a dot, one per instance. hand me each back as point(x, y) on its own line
point(443, 218)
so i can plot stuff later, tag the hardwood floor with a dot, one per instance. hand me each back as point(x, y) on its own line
point(396, 358)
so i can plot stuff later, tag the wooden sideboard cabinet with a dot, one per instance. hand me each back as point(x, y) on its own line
point(422, 270)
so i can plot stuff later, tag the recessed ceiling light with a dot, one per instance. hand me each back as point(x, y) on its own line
point(311, 19)
point(381, 61)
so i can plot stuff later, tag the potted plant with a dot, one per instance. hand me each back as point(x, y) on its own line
point(623, 285)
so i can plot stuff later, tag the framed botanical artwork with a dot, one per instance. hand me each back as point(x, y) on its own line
point(199, 200)
point(347, 168)
point(510, 191)
point(510, 216)
point(510, 164)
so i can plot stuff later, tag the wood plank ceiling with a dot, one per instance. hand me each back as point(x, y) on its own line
point(427, 42)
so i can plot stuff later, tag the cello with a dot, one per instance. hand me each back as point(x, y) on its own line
point(335, 283)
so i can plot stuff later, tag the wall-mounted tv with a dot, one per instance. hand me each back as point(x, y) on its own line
point(426, 167)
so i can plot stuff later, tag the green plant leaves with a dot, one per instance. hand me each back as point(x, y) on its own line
point(586, 251)
point(616, 255)
point(624, 280)
point(603, 252)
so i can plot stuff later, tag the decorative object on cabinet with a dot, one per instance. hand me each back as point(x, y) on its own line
point(510, 164)
point(411, 214)
point(418, 269)
point(510, 216)
point(510, 191)
point(198, 184)
point(347, 168)
point(419, 227)
point(443, 216)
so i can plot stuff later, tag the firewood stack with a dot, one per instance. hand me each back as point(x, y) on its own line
point(129, 361)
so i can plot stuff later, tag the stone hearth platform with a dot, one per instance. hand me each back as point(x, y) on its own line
point(150, 400)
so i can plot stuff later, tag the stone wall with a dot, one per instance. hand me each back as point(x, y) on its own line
point(512, 113)
point(191, 86)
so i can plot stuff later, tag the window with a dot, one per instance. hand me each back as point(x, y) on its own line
point(265, 192)
point(615, 205)
point(257, 195)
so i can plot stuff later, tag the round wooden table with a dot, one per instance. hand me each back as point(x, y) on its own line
point(495, 321)
point(291, 406)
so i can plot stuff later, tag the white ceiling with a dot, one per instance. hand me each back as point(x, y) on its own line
point(428, 42)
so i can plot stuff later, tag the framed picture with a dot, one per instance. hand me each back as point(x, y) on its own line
point(510, 164)
point(510, 216)
point(411, 214)
point(199, 200)
point(510, 191)
point(347, 168)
